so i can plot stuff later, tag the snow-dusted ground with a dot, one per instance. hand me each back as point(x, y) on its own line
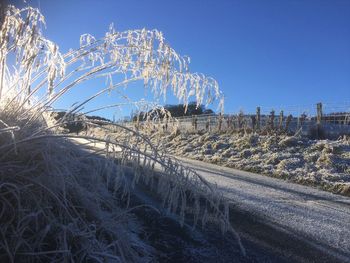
point(321, 163)
point(318, 218)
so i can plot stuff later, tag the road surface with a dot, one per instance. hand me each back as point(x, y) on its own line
point(299, 222)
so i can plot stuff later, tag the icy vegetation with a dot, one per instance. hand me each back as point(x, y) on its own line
point(63, 202)
point(322, 163)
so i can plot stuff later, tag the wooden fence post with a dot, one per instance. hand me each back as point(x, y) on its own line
point(258, 118)
point(207, 124)
point(280, 122)
point(193, 122)
point(232, 124)
point(240, 120)
point(272, 120)
point(298, 123)
point(288, 121)
point(319, 113)
point(302, 119)
point(319, 119)
point(228, 122)
point(220, 122)
point(253, 118)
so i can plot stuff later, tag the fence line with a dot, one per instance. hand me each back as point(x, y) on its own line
point(334, 123)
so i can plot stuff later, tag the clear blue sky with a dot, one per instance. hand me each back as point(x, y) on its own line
point(262, 52)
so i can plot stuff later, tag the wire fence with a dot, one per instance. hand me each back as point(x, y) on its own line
point(332, 118)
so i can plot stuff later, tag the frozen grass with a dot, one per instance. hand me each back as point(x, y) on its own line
point(62, 202)
point(55, 205)
point(321, 163)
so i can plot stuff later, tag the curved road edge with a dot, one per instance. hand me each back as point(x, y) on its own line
point(290, 240)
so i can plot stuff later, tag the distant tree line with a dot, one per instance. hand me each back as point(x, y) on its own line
point(177, 110)
point(76, 121)
point(192, 109)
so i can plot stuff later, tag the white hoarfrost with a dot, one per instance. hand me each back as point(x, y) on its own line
point(59, 202)
point(321, 163)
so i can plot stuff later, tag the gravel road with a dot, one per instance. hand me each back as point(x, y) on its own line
point(296, 223)
point(300, 222)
